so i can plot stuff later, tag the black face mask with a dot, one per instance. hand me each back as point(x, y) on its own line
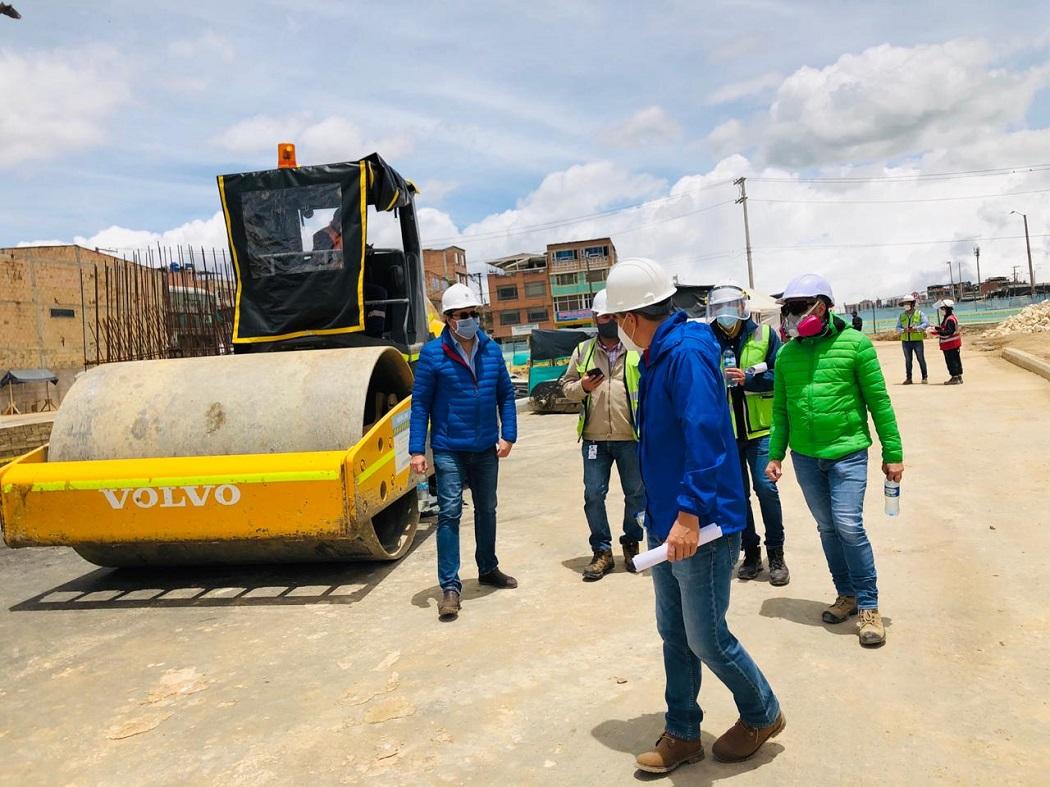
point(607, 330)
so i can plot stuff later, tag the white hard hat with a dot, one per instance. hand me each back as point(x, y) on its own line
point(635, 283)
point(944, 303)
point(598, 306)
point(727, 299)
point(458, 296)
point(808, 285)
point(908, 299)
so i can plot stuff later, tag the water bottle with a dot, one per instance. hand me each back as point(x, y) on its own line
point(728, 362)
point(892, 490)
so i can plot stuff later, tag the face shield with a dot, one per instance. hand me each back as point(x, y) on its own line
point(727, 306)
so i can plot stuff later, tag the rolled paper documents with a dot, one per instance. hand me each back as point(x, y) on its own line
point(758, 368)
point(659, 554)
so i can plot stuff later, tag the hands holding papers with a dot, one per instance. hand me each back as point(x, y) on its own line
point(659, 554)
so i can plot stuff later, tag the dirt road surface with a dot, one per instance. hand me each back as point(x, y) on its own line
point(343, 675)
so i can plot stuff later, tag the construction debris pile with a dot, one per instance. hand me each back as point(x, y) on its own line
point(1031, 319)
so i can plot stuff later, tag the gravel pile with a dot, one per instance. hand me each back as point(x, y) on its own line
point(1031, 319)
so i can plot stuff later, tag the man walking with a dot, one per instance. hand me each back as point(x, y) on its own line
point(911, 327)
point(461, 385)
point(749, 386)
point(692, 479)
point(603, 377)
point(828, 380)
point(858, 321)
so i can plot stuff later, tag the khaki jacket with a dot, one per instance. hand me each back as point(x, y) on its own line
point(608, 414)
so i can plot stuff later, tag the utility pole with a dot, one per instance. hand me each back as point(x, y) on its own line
point(977, 254)
point(742, 200)
point(962, 290)
point(950, 279)
point(1028, 246)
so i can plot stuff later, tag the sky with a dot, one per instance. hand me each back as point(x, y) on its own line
point(528, 124)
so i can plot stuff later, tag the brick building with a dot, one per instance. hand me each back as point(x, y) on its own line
point(577, 270)
point(49, 317)
point(519, 292)
point(441, 268)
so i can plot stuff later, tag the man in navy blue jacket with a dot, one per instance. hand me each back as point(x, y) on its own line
point(461, 386)
point(691, 472)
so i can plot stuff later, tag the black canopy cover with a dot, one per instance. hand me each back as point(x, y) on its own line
point(297, 237)
point(546, 345)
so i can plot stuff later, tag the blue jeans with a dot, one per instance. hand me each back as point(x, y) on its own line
point(834, 491)
point(919, 349)
point(692, 597)
point(453, 469)
point(754, 456)
point(596, 474)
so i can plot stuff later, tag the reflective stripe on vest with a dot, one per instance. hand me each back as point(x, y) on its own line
point(953, 342)
point(758, 407)
point(631, 375)
point(909, 321)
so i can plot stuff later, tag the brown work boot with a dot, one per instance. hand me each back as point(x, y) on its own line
point(742, 740)
point(841, 610)
point(600, 565)
point(670, 752)
point(872, 632)
point(630, 552)
point(448, 609)
point(498, 579)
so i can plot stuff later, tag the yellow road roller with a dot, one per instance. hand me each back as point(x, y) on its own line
point(292, 449)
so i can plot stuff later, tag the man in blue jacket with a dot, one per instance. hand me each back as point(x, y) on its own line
point(691, 472)
point(461, 385)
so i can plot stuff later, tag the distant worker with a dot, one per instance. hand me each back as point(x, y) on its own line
point(858, 322)
point(692, 479)
point(750, 391)
point(463, 393)
point(911, 327)
point(949, 335)
point(828, 380)
point(603, 377)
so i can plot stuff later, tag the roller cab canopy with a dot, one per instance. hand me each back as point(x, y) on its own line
point(298, 238)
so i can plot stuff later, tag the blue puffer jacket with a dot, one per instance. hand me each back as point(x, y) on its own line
point(688, 451)
point(461, 410)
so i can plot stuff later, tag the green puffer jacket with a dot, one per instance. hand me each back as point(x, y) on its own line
point(823, 388)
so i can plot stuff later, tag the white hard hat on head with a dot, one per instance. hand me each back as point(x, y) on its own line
point(945, 303)
point(727, 291)
point(599, 304)
point(728, 299)
point(908, 299)
point(459, 296)
point(808, 285)
point(635, 283)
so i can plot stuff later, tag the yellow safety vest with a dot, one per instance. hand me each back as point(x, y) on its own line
point(909, 321)
point(631, 375)
point(758, 407)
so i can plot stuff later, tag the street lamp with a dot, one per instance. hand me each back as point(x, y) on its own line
point(950, 279)
point(1028, 245)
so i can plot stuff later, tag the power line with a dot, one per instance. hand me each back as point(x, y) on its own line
point(974, 173)
point(818, 246)
point(896, 201)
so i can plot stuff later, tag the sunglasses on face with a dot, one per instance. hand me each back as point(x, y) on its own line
point(797, 307)
point(465, 315)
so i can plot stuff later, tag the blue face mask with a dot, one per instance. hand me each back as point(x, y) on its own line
point(727, 321)
point(467, 329)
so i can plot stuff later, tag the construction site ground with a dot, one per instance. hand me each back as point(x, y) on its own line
point(343, 674)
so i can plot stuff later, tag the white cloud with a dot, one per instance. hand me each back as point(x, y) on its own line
point(890, 101)
point(53, 102)
point(746, 88)
point(209, 233)
point(333, 138)
point(646, 127)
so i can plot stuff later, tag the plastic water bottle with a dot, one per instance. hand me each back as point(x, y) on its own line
point(728, 362)
point(892, 490)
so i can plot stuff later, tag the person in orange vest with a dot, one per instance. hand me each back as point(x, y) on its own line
point(950, 337)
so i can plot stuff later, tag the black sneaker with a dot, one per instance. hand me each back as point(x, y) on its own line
point(752, 565)
point(778, 570)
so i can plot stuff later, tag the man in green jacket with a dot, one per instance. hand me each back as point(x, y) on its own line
point(828, 379)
